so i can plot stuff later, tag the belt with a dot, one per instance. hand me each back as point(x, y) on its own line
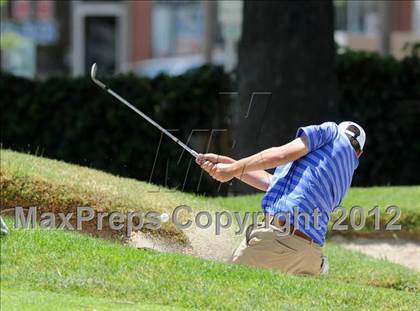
point(280, 224)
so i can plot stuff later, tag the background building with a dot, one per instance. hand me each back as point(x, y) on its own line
point(383, 26)
point(40, 38)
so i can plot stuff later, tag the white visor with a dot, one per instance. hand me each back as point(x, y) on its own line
point(361, 138)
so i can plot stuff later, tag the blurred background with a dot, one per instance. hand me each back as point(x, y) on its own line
point(253, 70)
point(43, 37)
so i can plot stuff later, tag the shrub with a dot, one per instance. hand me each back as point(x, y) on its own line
point(73, 120)
point(383, 94)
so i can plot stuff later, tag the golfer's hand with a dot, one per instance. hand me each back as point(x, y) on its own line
point(222, 172)
point(214, 158)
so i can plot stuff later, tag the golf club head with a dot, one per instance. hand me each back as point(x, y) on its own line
point(93, 71)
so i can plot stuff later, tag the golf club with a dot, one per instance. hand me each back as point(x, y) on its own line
point(103, 86)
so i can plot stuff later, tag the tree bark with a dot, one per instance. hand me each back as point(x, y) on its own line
point(286, 72)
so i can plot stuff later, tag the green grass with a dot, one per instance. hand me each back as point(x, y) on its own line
point(27, 180)
point(18, 299)
point(407, 198)
point(52, 185)
point(50, 269)
point(94, 272)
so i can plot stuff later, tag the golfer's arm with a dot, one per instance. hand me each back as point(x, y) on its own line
point(257, 179)
point(272, 157)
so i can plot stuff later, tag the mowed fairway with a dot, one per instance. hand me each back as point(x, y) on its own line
point(42, 268)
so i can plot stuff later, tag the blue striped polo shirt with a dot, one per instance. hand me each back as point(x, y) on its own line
point(319, 180)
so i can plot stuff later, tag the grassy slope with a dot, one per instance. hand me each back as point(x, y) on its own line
point(32, 181)
point(74, 265)
point(28, 180)
point(56, 186)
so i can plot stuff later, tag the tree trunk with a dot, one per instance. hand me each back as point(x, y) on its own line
point(286, 72)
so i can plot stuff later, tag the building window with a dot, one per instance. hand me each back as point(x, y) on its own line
point(177, 28)
point(356, 16)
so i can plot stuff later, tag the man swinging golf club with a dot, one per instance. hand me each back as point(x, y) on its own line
point(313, 173)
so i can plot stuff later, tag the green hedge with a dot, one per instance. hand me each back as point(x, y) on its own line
point(73, 120)
point(383, 94)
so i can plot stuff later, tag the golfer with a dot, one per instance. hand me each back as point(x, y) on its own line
point(313, 173)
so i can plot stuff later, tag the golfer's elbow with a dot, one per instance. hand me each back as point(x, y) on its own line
point(264, 186)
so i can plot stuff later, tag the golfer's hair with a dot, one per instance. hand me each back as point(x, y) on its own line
point(353, 141)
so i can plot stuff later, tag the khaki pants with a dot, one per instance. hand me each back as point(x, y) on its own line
point(270, 248)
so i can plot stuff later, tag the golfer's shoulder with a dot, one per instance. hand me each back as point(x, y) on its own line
point(330, 128)
point(330, 125)
point(318, 135)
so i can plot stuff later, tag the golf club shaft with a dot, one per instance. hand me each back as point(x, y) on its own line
point(103, 86)
point(192, 152)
